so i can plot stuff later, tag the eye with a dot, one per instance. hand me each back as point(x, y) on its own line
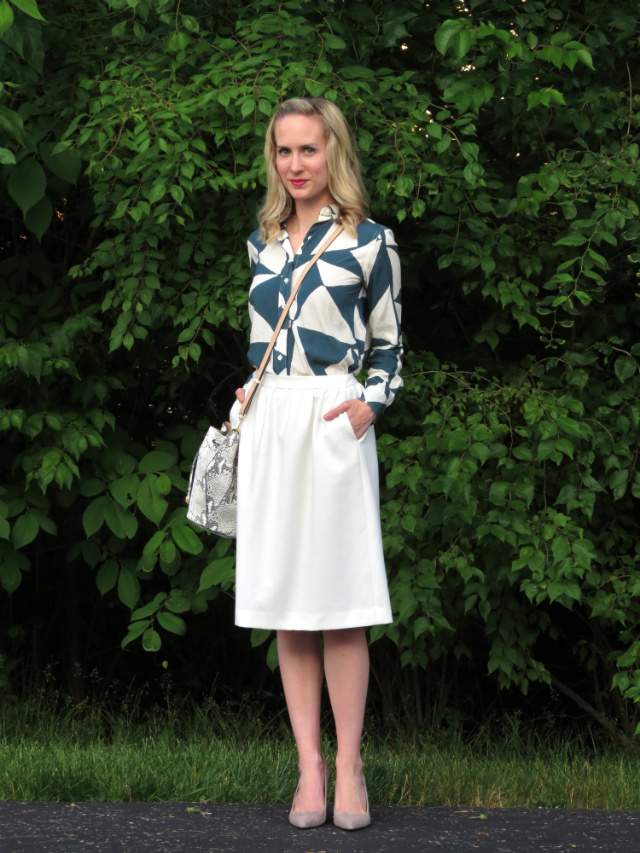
point(283, 151)
point(310, 149)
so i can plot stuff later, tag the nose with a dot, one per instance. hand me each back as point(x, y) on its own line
point(296, 163)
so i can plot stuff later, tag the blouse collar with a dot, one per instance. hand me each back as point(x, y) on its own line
point(329, 211)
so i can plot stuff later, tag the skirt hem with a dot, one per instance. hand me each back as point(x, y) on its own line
point(313, 621)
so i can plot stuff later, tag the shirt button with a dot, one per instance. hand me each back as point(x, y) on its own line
point(286, 281)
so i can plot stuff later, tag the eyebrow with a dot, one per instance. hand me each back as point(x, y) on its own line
point(304, 145)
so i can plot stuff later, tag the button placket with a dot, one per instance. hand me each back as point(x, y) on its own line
point(286, 283)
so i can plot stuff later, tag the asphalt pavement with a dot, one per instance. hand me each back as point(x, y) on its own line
point(228, 828)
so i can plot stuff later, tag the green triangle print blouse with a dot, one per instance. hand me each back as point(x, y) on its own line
point(346, 313)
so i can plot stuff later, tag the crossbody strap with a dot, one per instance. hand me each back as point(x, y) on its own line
point(257, 377)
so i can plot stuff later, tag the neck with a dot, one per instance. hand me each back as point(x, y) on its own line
point(306, 214)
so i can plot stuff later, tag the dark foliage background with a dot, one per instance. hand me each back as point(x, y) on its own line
point(499, 142)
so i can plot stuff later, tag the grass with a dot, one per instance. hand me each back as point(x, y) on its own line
point(232, 755)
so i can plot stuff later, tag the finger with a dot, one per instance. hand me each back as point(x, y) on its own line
point(329, 416)
point(240, 395)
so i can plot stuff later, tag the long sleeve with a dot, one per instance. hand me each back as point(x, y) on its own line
point(383, 335)
point(253, 263)
point(345, 317)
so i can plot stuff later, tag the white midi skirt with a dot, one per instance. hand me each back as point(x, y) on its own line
point(309, 549)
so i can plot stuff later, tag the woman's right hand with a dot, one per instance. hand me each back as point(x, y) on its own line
point(240, 395)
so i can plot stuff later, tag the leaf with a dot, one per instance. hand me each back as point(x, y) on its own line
point(29, 7)
point(150, 501)
point(573, 427)
point(151, 641)
point(91, 553)
point(247, 107)
point(314, 88)
point(93, 516)
point(11, 122)
point(135, 629)
point(444, 35)
point(38, 218)
point(125, 489)
point(488, 265)
point(171, 622)
point(186, 539)
point(560, 548)
point(24, 530)
point(122, 523)
point(177, 604)
point(421, 626)
point(625, 366)
point(408, 523)
point(27, 184)
point(177, 41)
point(564, 445)
point(584, 551)
point(216, 573)
point(156, 192)
point(54, 421)
point(65, 164)
point(149, 609)
point(91, 487)
point(272, 655)
point(6, 17)
point(462, 41)
point(480, 451)
point(334, 42)
point(618, 483)
point(259, 636)
point(107, 576)
point(10, 576)
point(573, 239)
point(7, 157)
point(365, 139)
point(498, 493)
point(154, 543)
point(156, 460)
point(167, 552)
point(584, 56)
point(128, 587)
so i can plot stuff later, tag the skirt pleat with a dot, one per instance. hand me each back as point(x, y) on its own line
point(309, 549)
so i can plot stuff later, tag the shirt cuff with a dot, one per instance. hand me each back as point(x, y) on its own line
point(378, 408)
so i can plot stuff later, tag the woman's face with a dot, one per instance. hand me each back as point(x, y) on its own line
point(301, 159)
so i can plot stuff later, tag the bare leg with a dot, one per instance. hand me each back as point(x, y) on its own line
point(301, 670)
point(346, 666)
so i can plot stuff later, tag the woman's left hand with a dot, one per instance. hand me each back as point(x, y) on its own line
point(360, 414)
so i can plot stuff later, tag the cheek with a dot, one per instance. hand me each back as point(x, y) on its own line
point(319, 167)
point(323, 167)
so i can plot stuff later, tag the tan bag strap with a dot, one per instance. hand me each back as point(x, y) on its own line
point(257, 378)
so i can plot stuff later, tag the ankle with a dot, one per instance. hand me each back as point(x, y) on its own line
point(350, 766)
point(310, 762)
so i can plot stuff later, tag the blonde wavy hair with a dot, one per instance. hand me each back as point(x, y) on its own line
point(345, 177)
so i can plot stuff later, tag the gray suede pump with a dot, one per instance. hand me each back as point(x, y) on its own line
point(306, 820)
point(353, 820)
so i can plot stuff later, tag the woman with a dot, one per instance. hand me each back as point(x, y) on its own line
point(309, 555)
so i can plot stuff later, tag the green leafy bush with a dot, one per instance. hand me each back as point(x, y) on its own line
point(499, 145)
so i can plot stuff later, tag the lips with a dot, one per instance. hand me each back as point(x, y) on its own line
point(299, 183)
